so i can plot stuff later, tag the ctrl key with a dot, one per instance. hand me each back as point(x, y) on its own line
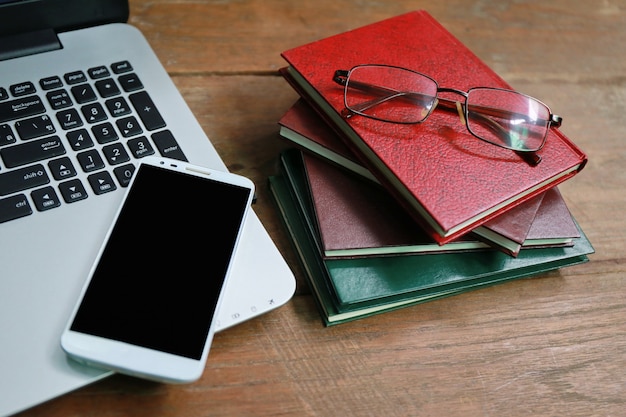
point(14, 207)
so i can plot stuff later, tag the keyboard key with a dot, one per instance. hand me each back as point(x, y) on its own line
point(50, 83)
point(36, 150)
point(75, 77)
point(147, 111)
point(4, 94)
point(45, 198)
point(107, 88)
point(129, 126)
point(140, 147)
point(62, 168)
point(130, 82)
point(101, 182)
point(90, 160)
point(59, 99)
point(104, 133)
point(6, 135)
point(14, 207)
point(117, 106)
point(73, 191)
point(83, 93)
point(115, 154)
point(167, 145)
point(35, 127)
point(69, 119)
point(23, 179)
point(79, 139)
point(21, 107)
point(22, 89)
point(121, 67)
point(124, 174)
point(98, 72)
point(94, 113)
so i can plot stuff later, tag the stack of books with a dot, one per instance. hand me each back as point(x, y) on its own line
point(386, 215)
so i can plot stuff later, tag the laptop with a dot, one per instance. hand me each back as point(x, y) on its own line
point(82, 99)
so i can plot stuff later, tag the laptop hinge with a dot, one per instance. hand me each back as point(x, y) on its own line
point(23, 44)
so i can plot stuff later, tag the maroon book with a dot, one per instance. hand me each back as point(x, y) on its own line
point(356, 217)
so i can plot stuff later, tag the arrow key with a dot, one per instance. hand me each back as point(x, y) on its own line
point(45, 198)
point(62, 168)
point(72, 191)
point(101, 182)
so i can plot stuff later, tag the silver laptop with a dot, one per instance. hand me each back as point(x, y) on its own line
point(82, 99)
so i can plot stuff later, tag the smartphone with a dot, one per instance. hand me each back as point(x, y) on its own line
point(148, 307)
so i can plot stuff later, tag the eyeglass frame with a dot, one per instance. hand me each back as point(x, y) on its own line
point(341, 77)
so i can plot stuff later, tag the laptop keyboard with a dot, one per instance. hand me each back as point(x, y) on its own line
point(94, 121)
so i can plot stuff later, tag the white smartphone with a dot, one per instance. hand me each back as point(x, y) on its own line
point(148, 307)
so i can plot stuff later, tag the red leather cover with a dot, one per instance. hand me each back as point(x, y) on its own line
point(448, 179)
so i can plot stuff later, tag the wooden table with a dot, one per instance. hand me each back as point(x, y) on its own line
point(547, 346)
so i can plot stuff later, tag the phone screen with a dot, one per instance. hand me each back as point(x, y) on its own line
point(159, 277)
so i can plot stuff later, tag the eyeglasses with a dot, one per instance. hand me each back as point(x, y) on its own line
point(500, 117)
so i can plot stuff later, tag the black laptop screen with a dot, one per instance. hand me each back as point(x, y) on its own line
point(20, 16)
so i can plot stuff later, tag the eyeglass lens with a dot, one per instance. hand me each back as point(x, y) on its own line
point(506, 118)
point(390, 94)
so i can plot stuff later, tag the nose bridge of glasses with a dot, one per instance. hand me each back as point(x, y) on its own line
point(448, 102)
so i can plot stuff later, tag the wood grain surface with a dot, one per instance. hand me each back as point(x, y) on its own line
point(554, 345)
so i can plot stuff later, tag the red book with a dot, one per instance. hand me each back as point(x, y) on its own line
point(449, 180)
point(305, 128)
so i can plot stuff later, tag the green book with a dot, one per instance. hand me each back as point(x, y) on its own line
point(347, 289)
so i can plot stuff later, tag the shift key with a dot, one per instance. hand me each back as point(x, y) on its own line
point(33, 151)
point(23, 179)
